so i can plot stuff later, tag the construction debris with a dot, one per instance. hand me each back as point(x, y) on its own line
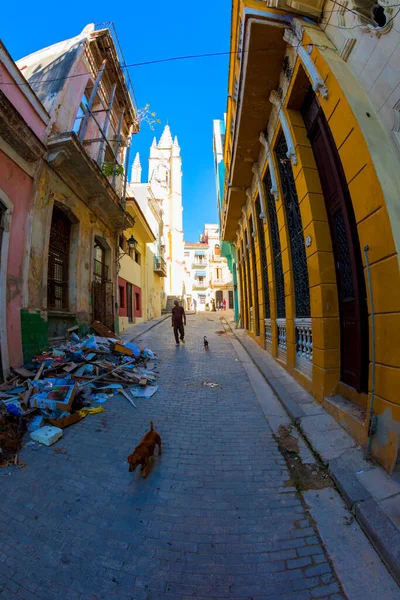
point(63, 385)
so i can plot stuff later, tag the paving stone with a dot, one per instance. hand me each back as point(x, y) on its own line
point(214, 518)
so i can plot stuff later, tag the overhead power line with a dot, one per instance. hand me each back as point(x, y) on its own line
point(162, 60)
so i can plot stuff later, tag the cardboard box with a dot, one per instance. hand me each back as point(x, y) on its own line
point(65, 421)
point(60, 397)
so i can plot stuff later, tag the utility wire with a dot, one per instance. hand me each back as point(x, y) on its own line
point(163, 60)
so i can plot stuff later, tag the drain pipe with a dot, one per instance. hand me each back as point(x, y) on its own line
point(373, 419)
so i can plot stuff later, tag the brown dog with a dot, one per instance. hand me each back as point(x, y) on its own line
point(143, 452)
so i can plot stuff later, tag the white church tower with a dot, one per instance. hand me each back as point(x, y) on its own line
point(165, 179)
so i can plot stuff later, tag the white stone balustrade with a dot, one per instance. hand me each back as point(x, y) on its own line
point(304, 345)
point(268, 331)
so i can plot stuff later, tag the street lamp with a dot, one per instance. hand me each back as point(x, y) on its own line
point(132, 245)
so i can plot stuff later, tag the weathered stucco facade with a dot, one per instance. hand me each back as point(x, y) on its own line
point(23, 122)
point(79, 207)
point(311, 194)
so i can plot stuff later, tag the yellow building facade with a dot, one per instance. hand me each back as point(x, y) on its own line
point(140, 269)
point(312, 197)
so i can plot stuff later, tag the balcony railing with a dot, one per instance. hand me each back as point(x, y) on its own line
point(160, 266)
point(199, 263)
point(218, 281)
point(199, 285)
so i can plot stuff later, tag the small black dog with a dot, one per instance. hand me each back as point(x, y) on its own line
point(205, 343)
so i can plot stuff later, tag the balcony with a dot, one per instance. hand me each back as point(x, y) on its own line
point(160, 266)
point(202, 264)
point(259, 76)
point(69, 158)
point(220, 282)
point(199, 285)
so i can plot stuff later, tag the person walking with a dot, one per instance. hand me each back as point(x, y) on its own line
point(178, 322)
point(224, 304)
point(194, 305)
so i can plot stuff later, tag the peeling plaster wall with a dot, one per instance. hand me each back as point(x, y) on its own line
point(21, 103)
point(17, 185)
point(85, 226)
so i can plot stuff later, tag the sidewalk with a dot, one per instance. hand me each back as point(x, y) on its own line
point(135, 331)
point(370, 493)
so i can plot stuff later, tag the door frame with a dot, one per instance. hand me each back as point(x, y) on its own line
point(129, 302)
point(320, 122)
point(4, 250)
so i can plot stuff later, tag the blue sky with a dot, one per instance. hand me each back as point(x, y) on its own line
point(188, 94)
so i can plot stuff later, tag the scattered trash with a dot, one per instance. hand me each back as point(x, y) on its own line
point(65, 384)
point(36, 423)
point(48, 435)
point(143, 392)
point(91, 411)
point(210, 384)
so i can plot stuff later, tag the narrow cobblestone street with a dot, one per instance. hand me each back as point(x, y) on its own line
point(216, 517)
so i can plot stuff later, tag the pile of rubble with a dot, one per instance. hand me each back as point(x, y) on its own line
point(65, 384)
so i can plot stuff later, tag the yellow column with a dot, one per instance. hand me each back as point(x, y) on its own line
point(287, 268)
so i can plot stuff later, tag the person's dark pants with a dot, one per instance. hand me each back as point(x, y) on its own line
point(179, 332)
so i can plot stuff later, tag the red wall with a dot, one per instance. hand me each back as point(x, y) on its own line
point(17, 186)
point(137, 290)
point(122, 312)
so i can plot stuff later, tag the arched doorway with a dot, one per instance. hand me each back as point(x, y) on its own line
point(346, 248)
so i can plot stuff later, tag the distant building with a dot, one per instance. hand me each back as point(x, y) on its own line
point(165, 181)
point(79, 207)
point(208, 276)
point(143, 268)
point(228, 249)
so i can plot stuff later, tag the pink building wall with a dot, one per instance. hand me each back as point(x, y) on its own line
point(17, 186)
point(17, 97)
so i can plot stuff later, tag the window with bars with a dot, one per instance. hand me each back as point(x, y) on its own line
point(58, 265)
point(255, 287)
point(100, 269)
point(276, 249)
point(263, 258)
point(295, 227)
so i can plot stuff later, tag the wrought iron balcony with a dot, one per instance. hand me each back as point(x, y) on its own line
point(199, 263)
point(199, 285)
point(160, 266)
point(220, 282)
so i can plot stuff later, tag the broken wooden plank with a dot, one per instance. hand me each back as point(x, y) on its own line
point(104, 331)
point(143, 381)
point(127, 397)
point(108, 373)
point(69, 367)
point(39, 373)
point(122, 349)
point(21, 372)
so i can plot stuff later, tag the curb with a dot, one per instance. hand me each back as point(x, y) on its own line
point(150, 327)
point(377, 526)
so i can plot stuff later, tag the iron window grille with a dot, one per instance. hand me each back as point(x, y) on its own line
point(263, 257)
point(276, 249)
point(295, 227)
point(58, 265)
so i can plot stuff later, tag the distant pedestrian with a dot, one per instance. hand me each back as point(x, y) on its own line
point(178, 322)
point(194, 305)
point(224, 304)
point(213, 305)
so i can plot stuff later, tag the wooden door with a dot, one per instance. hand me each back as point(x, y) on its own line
point(230, 294)
point(346, 248)
point(129, 299)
